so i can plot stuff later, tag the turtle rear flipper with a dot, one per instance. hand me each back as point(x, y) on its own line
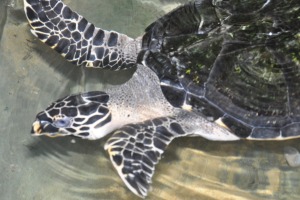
point(79, 41)
point(135, 149)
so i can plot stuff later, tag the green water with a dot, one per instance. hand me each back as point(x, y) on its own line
point(32, 76)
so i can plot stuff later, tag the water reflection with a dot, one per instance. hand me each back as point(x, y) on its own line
point(32, 75)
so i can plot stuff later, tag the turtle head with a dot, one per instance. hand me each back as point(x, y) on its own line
point(84, 115)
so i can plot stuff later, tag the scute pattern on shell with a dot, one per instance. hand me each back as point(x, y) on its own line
point(229, 64)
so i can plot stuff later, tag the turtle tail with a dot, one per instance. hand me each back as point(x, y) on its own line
point(135, 149)
point(79, 41)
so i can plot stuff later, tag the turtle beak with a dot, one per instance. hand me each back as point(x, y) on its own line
point(36, 128)
point(40, 127)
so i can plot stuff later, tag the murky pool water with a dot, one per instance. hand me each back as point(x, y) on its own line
point(32, 76)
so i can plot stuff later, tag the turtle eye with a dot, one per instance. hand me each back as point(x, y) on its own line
point(62, 123)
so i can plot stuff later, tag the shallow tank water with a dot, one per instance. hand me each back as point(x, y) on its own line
point(32, 76)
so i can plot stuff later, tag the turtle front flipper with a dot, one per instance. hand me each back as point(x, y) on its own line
point(135, 149)
point(79, 41)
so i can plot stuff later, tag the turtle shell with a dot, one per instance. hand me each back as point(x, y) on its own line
point(234, 63)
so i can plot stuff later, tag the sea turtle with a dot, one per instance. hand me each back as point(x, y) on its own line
point(223, 70)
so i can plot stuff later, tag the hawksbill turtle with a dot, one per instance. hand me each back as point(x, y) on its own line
point(222, 70)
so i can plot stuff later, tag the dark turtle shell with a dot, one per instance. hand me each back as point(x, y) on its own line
point(237, 62)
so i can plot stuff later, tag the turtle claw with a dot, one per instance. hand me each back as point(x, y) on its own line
point(292, 156)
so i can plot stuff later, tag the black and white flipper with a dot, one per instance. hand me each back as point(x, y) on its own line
point(79, 41)
point(135, 149)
